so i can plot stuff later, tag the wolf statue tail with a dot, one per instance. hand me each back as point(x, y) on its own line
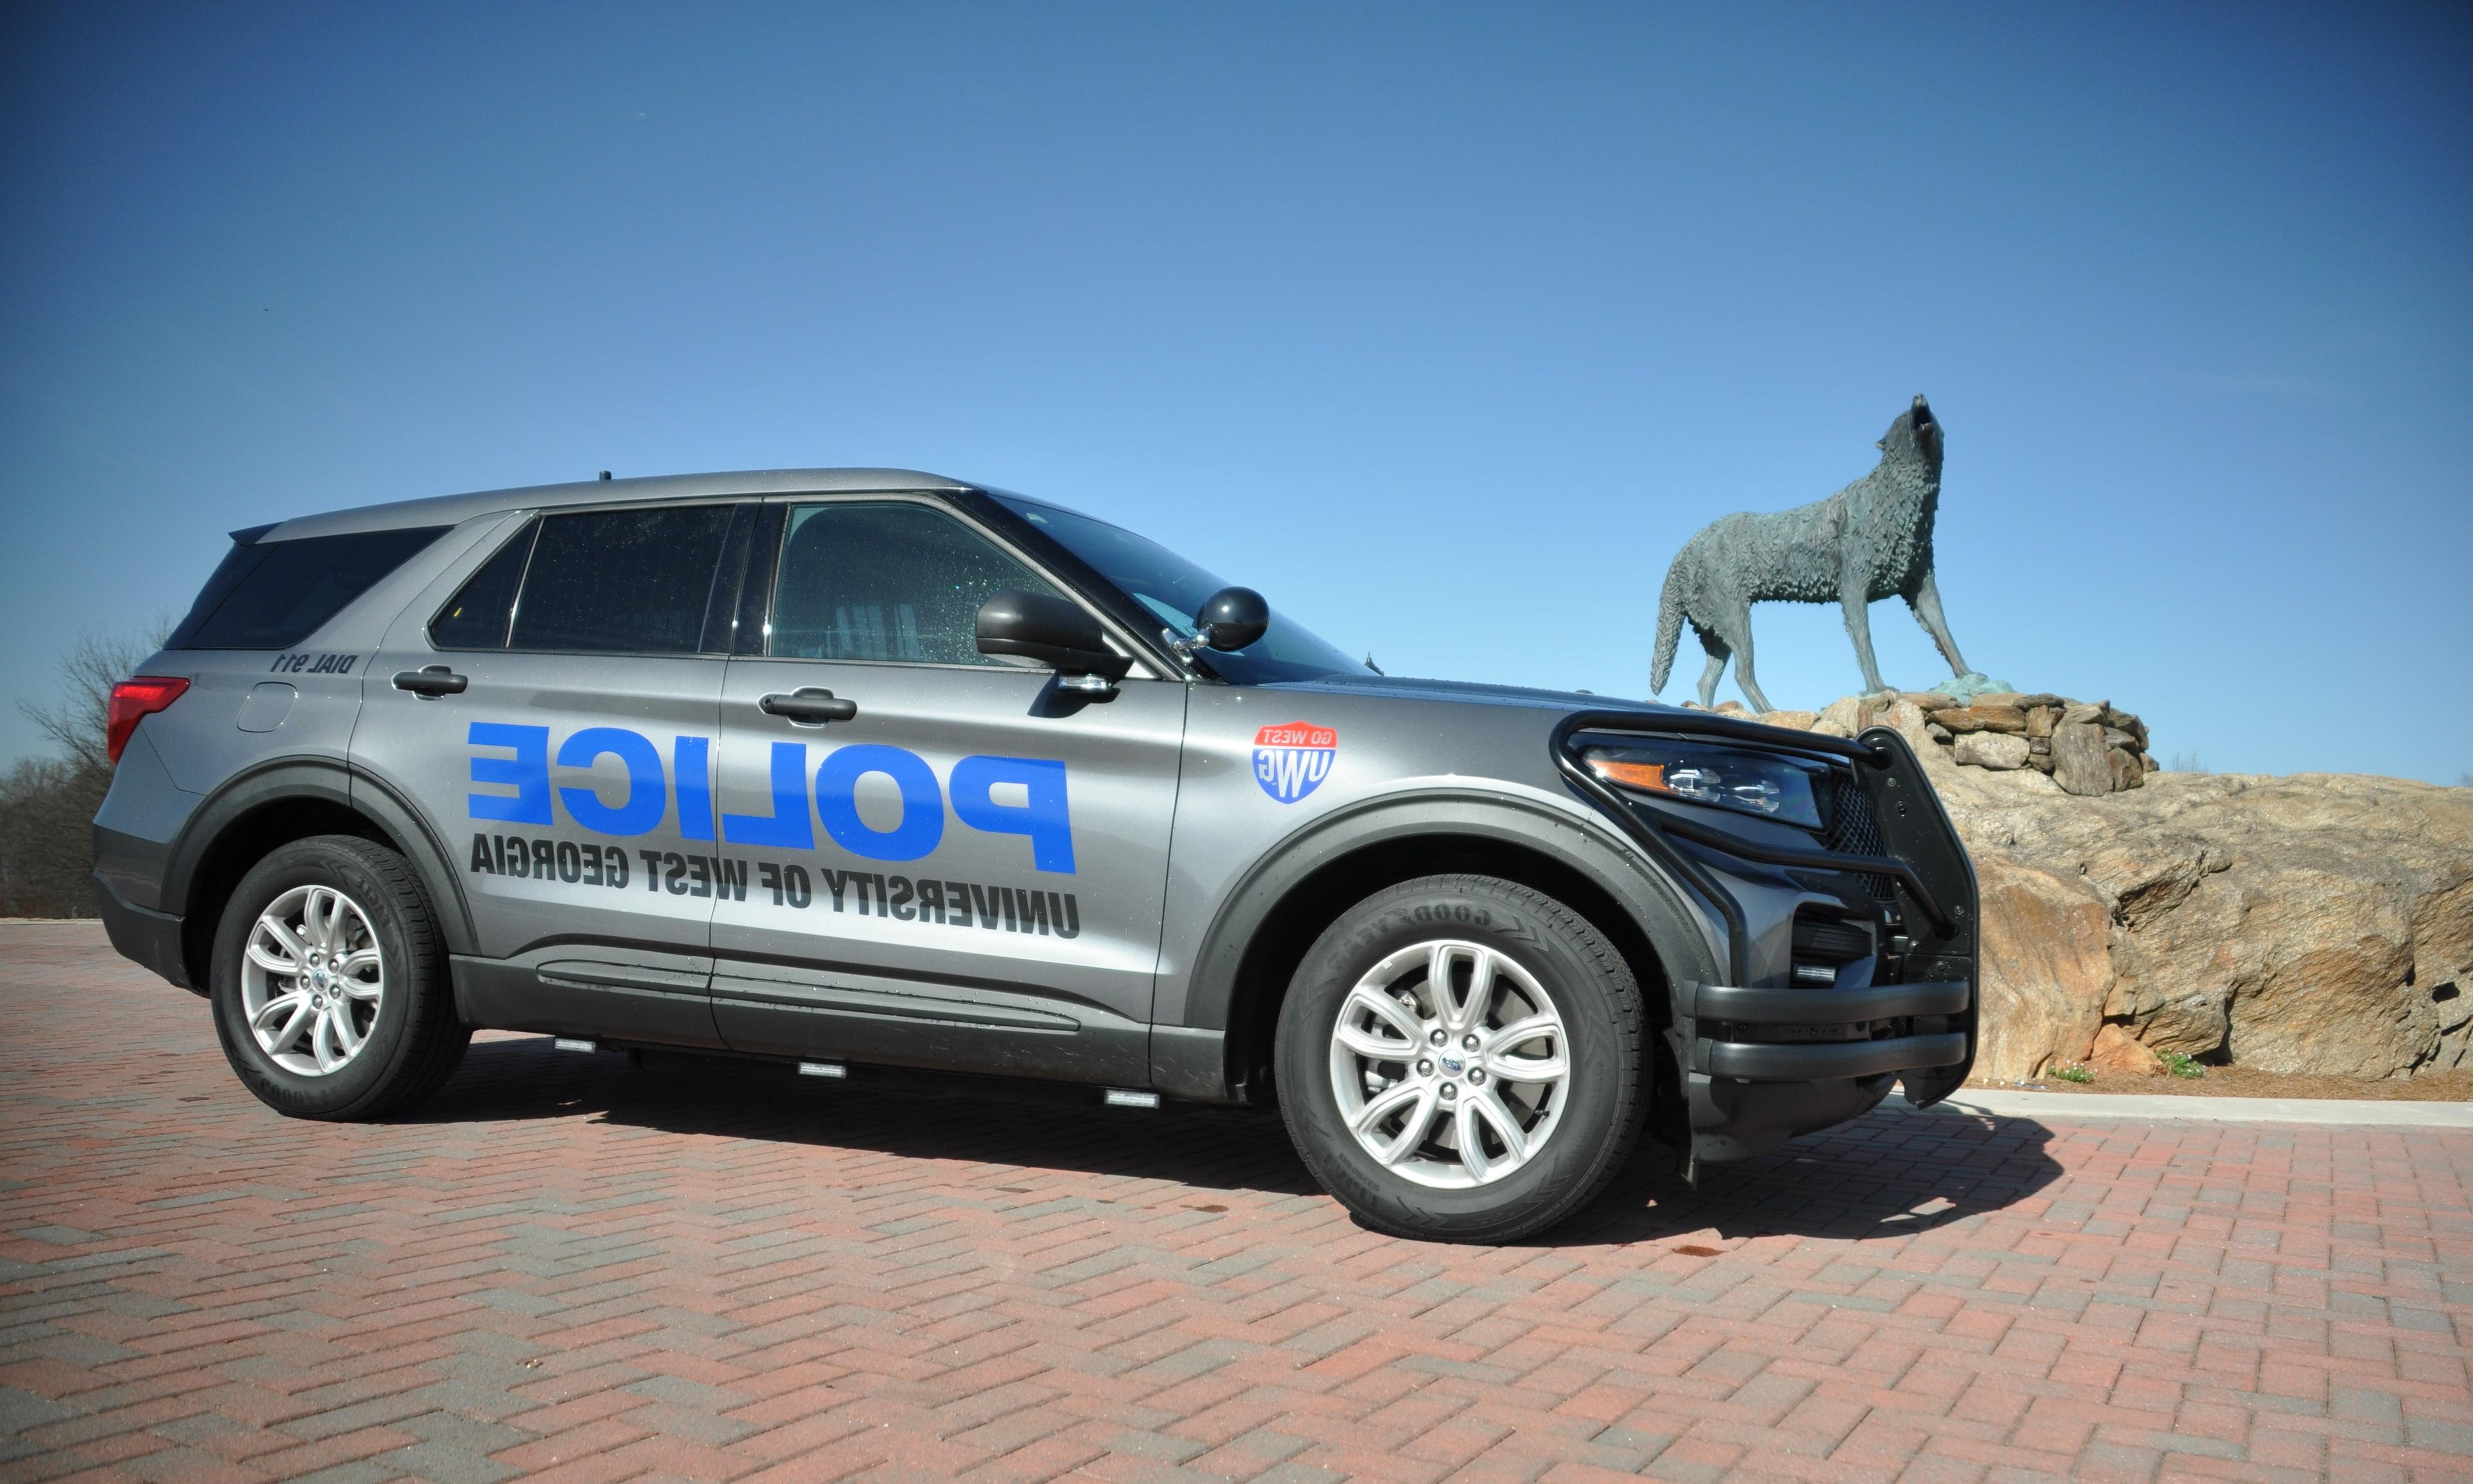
point(1669, 626)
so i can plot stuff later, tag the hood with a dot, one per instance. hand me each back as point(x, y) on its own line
point(1404, 689)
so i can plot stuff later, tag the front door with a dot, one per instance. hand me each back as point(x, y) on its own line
point(553, 722)
point(954, 862)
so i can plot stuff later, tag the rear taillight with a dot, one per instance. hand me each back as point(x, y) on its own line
point(133, 701)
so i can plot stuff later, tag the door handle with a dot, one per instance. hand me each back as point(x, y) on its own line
point(431, 682)
point(808, 707)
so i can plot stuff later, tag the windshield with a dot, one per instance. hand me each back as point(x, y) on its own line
point(1174, 588)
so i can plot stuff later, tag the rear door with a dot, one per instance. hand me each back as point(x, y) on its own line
point(552, 719)
point(965, 867)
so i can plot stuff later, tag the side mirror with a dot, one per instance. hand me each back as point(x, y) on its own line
point(1051, 631)
point(1233, 617)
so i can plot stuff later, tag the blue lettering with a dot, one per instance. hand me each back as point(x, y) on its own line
point(1043, 816)
point(788, 826)
point(641, 811)
point(923, 804)
point(527, 772)
point(691, 760)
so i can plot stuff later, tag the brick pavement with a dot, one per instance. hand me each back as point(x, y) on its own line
point(569, 1268)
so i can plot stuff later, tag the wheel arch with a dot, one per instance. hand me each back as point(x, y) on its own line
point(280, 802)
point(1265, 927)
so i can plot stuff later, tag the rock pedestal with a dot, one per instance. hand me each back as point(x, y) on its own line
point(2087, 747)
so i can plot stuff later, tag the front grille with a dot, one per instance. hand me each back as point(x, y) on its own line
point(1854, 830)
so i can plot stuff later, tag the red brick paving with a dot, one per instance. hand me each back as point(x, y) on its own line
point(573, 1269)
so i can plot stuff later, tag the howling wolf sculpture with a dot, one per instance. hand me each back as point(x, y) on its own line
point(1869, 540)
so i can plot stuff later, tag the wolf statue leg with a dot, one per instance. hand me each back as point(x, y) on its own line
point(1717, 659)
point(1926, 602)
point(1858, 628)
point(1717, 653)
point(1741, 640)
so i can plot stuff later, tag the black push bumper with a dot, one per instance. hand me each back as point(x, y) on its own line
point(1761, 1065)
point(1773, 1034)
point(1753, 1065)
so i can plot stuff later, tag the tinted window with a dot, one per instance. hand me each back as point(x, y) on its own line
point(631, 582)
point(884, 581)
point(476, 617)
point(273, 594)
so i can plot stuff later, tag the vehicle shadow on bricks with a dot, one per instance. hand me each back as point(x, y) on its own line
point(1886, 1175)
point(1026, 1125)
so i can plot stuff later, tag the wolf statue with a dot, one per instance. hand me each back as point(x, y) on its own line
point(1869, 540)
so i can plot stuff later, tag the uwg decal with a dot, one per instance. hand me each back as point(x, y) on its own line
point(1290, 760)
point(514, 761)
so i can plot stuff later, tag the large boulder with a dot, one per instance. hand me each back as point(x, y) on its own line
point(2046, 967)
point(2442, 958)
point(2317, 923)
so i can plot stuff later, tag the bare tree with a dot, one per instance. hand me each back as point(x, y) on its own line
point(47, 805)
point(78, 722)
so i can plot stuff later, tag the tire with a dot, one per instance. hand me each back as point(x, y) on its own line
point(1561, 992)
point(390, 1048)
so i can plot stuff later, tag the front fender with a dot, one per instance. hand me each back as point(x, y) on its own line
point(1189, 1044)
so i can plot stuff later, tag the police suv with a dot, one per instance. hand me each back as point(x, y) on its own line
point(843, 770)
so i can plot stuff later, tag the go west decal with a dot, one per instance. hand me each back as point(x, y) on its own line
point(514, 763)
point(1291, 761)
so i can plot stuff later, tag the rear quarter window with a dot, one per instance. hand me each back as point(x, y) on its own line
point(273, 594)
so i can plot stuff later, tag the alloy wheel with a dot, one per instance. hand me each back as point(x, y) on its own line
point(312, 980)
point(1450, 1063)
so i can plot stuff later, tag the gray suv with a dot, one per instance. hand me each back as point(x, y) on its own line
point(839, 771)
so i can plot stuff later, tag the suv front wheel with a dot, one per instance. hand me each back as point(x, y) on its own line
point(330, 987)
point(1459, 1058)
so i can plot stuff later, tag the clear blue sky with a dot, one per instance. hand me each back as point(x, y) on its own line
point(1444, 326)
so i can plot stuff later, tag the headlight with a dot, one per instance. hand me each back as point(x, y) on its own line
point(1759, 783)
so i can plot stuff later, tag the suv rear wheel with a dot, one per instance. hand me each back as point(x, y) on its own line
point(330, 985)
point(1459, 1058)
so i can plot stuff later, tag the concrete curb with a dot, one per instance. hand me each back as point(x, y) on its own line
point(1993, 1103)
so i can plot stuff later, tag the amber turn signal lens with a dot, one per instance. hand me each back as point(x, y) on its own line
point(1650, 775)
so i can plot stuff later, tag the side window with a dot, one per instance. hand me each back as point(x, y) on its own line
point(476, 616)
point(628, 582)
point(868, 580)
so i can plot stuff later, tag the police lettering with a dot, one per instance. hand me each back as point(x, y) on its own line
point(1004, 796)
